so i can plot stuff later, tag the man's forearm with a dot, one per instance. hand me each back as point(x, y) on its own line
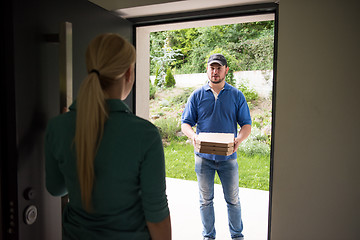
point(189, 132)
point(243, 134)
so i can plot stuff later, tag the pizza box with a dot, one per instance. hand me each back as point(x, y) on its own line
point(215, 143)
point(215, 150)
point(215, 139)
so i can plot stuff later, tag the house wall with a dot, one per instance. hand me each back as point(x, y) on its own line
point(316, 190)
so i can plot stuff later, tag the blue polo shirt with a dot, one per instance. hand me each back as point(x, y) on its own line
point(219, 115)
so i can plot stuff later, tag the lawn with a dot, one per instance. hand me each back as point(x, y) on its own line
point(253, 170)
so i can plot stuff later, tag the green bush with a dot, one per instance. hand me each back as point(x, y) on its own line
point(250, 94)
point(169, 79)
point(159, 77)
point(253, 147)
point(168, 127)
point(230, 77)
point(255, 144)
point(256, 124)
point(152, 90)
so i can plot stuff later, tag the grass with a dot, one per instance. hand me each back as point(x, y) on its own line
point(253, 170)
point(179, 160)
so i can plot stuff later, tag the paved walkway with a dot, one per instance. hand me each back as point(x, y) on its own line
point(185, 216)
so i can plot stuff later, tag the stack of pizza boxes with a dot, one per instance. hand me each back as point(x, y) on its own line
point(215, 143)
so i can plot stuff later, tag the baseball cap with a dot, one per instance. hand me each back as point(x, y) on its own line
point(217, 58)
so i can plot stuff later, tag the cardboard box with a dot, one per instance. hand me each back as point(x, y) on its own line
point(215, 143)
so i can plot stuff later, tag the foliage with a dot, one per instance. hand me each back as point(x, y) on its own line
point(169, 79)
point(158, 76)
point(255, 144)
point(168, 127)
point(163, 58)
point(152, 90)
point(251, 44)
point(255, 54)
point(157, 40)
point(249, 93)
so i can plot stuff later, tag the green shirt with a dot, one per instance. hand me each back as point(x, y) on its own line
point(129, 187)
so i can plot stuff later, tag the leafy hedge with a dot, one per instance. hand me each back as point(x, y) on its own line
point(248, 45)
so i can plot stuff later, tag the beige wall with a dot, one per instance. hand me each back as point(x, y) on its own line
point(316, 192)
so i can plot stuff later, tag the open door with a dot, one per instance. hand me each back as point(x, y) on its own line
point(34, 63)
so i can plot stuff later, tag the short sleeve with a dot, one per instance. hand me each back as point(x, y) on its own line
point(243, 112)
point(190, 113)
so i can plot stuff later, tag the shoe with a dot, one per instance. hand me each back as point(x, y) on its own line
point(207, 238)
point(239, 238)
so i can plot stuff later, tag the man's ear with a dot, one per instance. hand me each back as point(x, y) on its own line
point(227, 69)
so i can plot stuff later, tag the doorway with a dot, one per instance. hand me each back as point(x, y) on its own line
point(142, 109)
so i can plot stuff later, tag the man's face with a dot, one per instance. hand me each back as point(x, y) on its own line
point(216, 73)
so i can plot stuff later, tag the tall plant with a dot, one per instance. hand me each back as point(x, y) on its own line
point(165, 57)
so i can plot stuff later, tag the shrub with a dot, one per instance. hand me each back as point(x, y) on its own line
point(252, 147)
point(152, 90)
point(169, 79)
point(159, 77)
point(168, 127)
point(255, 144)
point(230, 77)
point(250, 94)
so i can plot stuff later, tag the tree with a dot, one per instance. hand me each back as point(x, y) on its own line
point(162, 61)
point(251, 44)
point(169, 79)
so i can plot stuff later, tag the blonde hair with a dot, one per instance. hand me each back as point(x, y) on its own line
point(108, 57)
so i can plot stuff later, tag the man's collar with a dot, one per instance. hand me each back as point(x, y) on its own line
point(207, 86)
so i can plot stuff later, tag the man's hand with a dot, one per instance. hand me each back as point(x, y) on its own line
point(189, 132)
point(236, 144)
point(243, 134)
point(194, 138)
